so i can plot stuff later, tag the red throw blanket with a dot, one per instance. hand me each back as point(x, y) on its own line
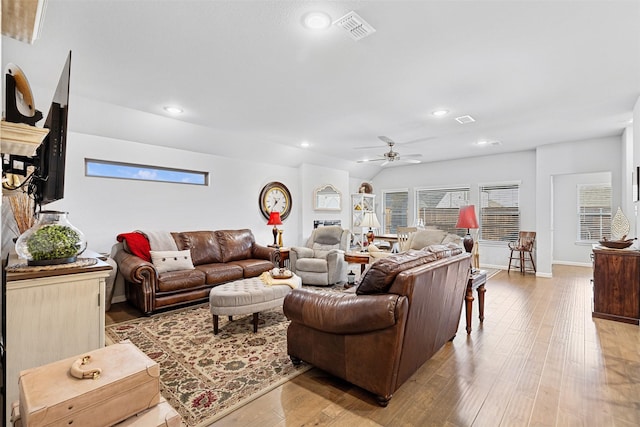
point(138, 244)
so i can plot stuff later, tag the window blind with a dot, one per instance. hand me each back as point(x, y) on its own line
point(396, 205)
point(594, 212)
point(440, 207)
point(499, 212)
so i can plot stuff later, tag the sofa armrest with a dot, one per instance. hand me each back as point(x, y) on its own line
point(263, 252)
point(343, 313)
point(141, 280)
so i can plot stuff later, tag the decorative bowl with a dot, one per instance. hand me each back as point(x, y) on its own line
point(617, 244)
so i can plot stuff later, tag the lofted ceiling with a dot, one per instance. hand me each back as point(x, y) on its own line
point(254, 83)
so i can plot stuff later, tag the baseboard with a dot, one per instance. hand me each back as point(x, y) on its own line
point(117, 299)
point(574, 264)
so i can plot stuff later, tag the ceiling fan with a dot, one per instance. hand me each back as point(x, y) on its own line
point(392, 156)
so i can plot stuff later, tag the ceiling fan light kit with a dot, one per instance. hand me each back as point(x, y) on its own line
point(392, 156)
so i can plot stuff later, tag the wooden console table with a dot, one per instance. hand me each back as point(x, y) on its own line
point(476, 282)
point(616, 284)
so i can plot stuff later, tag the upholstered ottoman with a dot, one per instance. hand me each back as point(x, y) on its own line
point(248, 296)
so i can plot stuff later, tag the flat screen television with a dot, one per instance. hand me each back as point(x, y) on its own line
point(50, 157)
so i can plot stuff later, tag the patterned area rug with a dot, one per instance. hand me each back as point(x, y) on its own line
point(205, 376)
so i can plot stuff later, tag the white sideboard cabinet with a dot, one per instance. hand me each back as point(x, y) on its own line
point(51, 315)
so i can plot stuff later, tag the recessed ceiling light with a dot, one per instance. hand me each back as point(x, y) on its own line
point(173, 109)
point(439, 113)
point(304, 144)
point(483, 142)
point(316, 21)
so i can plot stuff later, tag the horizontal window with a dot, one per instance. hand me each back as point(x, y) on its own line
point(107, 169)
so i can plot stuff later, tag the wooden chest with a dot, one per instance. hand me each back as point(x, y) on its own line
point(161, 415)
point(128, 384)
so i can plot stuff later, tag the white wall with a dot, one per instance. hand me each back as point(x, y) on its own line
point(103, 208)
point(520, 167)
point(566, 250)
point(591, 156)
point(311, 178)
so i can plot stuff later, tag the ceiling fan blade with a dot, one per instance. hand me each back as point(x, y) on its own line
point(404, 156)
point(386, 139)
point(370, 160)
point(386, 162)
point(369, 147)
point(410, 160)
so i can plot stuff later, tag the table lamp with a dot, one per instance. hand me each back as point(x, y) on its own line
point(274, 219)
point(370, 220)
point(467, 219)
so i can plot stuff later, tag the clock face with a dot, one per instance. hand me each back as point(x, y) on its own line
point(275, 196)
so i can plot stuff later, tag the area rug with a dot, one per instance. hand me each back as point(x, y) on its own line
point(205, 376)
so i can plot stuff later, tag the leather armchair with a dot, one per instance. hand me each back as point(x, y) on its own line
point(321, 261)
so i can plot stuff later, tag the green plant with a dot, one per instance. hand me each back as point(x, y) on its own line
point(53, 242)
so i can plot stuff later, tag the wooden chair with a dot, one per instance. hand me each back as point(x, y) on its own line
point(403, 236)
point(523, 246)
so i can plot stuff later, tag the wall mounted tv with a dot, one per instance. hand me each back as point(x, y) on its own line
point(50, 157)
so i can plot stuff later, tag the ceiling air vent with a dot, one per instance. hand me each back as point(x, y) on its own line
point(465, 119)
point(353, 24)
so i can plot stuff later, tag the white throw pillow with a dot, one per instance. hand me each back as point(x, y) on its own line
point(172, 260)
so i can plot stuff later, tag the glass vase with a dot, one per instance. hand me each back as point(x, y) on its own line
point(52, 240)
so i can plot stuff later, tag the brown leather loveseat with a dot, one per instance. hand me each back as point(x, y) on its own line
point(217, 257)
point(406, 307)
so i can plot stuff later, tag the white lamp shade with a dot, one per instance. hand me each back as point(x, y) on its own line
point(370, 220)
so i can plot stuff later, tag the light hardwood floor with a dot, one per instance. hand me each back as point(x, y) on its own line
point(539, 359)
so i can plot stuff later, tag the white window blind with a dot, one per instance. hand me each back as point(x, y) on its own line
point(440, 207)
point(499, 212)
point(396, 204)
point(594, 212)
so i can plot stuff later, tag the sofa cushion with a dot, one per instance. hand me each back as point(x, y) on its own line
point(423, 238)
point(322, 250)
point(235, 244)
point(331, 235)
point(180, 280)
point(203, 245)
point(253, 267)
point(220, 272)
point(382, 273)
point(165, 261)
point(313, 265)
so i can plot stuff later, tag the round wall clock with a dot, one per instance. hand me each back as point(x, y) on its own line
point(275, 196)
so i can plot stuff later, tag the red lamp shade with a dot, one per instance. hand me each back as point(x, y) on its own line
point(274, 219)
point(467, 217)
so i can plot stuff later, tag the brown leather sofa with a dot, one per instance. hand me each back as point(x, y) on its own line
point(406, 307)
point(218, 257)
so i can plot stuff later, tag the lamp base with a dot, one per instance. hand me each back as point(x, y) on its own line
point(370, 237)
point(467, 242)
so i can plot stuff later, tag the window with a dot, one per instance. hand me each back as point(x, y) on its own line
point(106, 169)
point(396, 204)
point(440, 207)
point(499, 212)
point(594, 212)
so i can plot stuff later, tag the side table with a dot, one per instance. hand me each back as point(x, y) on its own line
point(284, 257)
point(361, 258)
point(477, 280)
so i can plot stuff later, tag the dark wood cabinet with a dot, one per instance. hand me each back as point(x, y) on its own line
point(616, 285)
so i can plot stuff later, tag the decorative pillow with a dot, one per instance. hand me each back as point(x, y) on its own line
point(383, 272)
point(172, 260)
point(444, 251)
